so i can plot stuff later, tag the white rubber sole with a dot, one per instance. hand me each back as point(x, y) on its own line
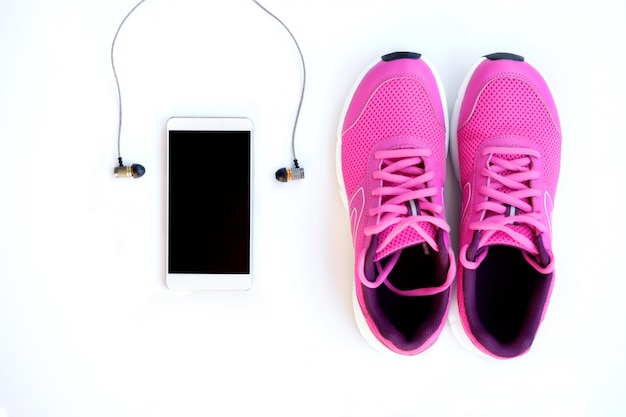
point(360, 319)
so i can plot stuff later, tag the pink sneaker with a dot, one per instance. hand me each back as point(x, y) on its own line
point(391, 165)
point(506, 146)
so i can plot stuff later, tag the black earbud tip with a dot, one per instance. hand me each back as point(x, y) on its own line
point(281, 175)
point(138, 170)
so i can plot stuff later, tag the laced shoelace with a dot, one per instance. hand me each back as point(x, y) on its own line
point(509, 172)
point(404, 180)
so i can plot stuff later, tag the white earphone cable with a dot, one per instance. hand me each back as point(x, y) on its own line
point(119, 93)
point(117, 83)
point(295, 123)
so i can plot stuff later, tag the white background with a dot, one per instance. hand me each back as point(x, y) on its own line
point(87, 327)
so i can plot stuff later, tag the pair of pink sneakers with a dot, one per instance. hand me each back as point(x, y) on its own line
point(391, 163)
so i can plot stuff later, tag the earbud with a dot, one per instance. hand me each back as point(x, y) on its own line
point(288, 174)
point(122, 171)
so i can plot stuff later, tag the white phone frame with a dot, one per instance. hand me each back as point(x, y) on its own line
point(190, 281)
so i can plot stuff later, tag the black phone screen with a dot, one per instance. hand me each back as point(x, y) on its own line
point(209, 202)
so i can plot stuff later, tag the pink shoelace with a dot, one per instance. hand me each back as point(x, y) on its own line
point(404, 189)
point(507, 203)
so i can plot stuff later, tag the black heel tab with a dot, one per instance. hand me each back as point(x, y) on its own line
point(401, 55)
point(498, 56)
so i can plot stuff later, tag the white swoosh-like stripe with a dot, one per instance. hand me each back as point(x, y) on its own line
point(467, 187)
point(356, 213)
point(547, 197)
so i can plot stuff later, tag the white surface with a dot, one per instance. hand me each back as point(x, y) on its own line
point(87, 327)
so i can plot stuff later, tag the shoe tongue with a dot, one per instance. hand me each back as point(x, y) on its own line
point(502, 239)
point(408, 237)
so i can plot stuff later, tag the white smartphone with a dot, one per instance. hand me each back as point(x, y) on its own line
point(209, 181)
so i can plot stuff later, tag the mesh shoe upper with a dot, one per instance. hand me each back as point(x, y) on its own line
point(392, 166)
